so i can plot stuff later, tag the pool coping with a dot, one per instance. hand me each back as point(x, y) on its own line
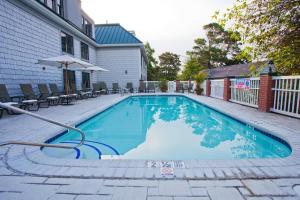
point(30, 160)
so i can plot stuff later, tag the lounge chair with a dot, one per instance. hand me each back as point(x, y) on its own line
point(115, 88)
point(12, 101)
point(46, 95)
point(96, 89)
point(31, 100)
point(64, 99)
point(85, 92)
point(151, 87)
point(129, 87)
point(103, 88)
point(142, 87)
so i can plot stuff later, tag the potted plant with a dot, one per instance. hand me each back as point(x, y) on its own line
point(163, 85)
point(199, 78)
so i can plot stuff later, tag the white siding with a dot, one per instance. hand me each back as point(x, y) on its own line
point(25, 38)
point(117, 60)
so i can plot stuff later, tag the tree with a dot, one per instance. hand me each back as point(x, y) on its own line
point(152, 69)
point(191, 67)
point(169, 64)
point(271, 28)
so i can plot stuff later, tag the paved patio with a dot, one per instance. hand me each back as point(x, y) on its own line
point(26, 173)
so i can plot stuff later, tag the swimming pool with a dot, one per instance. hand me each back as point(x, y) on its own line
point(167, 127)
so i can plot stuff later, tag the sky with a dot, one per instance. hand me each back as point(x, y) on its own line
point(168, 25)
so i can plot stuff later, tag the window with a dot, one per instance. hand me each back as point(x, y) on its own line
point(84, 51)
point(86, 80)
point(60, 7)
point(55, 5)
point(67, 45)
point(87, 27)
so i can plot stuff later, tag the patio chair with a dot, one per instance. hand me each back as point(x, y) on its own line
point(103, 88)
point(142, 87)
point(46, 95)
point(129, 87)
point(7, 99)
point(96, 89)
point(31, 100)
point(151, 87)
point(64, 99)
point(115, 88)
point(85, 92)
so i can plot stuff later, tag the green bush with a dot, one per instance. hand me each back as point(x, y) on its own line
point(163, 85)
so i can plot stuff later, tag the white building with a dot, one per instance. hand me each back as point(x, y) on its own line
point(35, 29)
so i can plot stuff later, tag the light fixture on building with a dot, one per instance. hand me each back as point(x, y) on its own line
point(126, 72)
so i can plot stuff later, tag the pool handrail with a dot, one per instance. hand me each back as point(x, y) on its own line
point(18, 110)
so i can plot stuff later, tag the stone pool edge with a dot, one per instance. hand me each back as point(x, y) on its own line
point(30, 160)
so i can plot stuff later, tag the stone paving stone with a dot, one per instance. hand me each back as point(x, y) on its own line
point(258, 198)
point(199, 192)
point(286, 181)
point(174, 188)
point(159, 198)
point(21, 179)
point(263, 187)
point(61, 181)
point(62, 197)
point(215, 183)
point(39, 192)
point(5, 171)
point(191, 198)
point(146, 183)
point(220, 193)
point(94, 197)
point(153, 191)
point(106, 190)
point(10, 196)
point(85, 186)
point(132, 193)
point(120, 172)
point(297, 189)
point(244, 191)
point(117, 182)
point(288, 190)
point(209, 173)
point(286, 198)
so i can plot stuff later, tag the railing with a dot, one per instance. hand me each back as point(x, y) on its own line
point(287, 95)
point(18, 110)
point(243, 96)
point(217, 88)
point(171, 85)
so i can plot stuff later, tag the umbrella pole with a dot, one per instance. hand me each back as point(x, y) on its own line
point(67, 80)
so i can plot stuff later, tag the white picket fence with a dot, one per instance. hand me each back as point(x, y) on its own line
point(287, 95)
point(203, 86)
point(217, 88)
point(247, 97)
point(171, 85)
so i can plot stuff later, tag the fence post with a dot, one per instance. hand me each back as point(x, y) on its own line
point(177, 85)
point(227, 89)
point(265, 97)
point(208, 89)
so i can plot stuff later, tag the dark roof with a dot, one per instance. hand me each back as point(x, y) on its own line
point(114, 34)
point(239, 70)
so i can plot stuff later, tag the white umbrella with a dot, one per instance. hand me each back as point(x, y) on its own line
point(94, 68)
point(65, 61)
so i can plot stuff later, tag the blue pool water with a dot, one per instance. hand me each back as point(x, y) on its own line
point(167, 127)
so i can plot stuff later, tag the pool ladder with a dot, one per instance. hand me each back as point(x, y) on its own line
point(18, 110)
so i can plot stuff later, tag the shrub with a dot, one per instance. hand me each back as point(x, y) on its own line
point(199, 78)
point(163, 85)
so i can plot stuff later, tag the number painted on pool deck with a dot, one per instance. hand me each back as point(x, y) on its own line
point(166, 164)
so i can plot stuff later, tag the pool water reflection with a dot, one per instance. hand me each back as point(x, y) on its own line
point(170, 128)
